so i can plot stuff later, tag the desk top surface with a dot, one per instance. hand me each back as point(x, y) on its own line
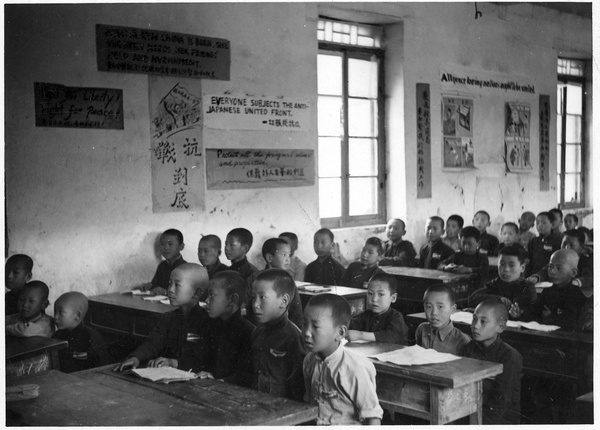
point(427, 274)
point(19, 346)
point(130, 301)
point(100, 397)
point(452, 374)
point(337, 290)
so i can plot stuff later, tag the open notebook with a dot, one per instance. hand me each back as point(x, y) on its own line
point(163, 375)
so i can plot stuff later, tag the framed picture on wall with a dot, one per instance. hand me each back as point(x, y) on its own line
point(457, 133)
point(517, 140)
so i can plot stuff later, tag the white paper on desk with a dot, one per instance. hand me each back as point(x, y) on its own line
point(464, 317)
point(301, 284)
point(165, 301)
point(543, 285)
point(467, 317)
point(534, 325)
point(140, 293)
point(155, 298)
point(414, 356)
point(164, 374)
point(314, 288)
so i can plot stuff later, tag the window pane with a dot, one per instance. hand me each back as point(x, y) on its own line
point(558, 188)
point(329, 74)
point(363, 196)
point(559, 129)
point(330, 198)
point(362, 118)
point(330, 116)
point(330, 157)
point(573, 134)
point(573, 159)
point(558, 158)
point(362, 78)
point(362, 155)
point(572, 188)
point(574, 99)
point(559, 98)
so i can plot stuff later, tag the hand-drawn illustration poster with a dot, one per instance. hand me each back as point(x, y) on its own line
point(423, 142)
point(242, 112)
point(457, 133)
point(544, 142)
point(516, 137)
point(177, 152)
point(77, 107)
point(230, 169)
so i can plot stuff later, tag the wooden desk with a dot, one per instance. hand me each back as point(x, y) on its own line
point(356, 297)
point(100, 397)
point(440, 393)
point(27, 355)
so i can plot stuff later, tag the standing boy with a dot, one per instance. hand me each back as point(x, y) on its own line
point(17, 273)
point(325, 270)
point(171, 245)
point(31, 319)
point(526, 222)
point(209, 251)
point(501, 394)
point(277, 348)
point(434, 251)
point(469, 260)
point(438, 332)
point(237, 244)
point(359, 273)
point(541, 248)
point(396, 251)
point(380, 323)
point(338, 381)
point(297, 267)
point(454, 224)
point(489, 242)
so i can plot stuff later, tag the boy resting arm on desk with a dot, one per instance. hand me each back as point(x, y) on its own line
point(469, 259)
point(178, 329)
point(359, 273)
point(340, 382)
point(380, 323)
point(31, 319)
point(434, 251)
point(277, 348)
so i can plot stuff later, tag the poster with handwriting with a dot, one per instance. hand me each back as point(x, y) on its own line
point(143, 50)
point(423, 142)
point(243, 112)
point(176, 144)
point(77, 107)
point(516, 137)
point(230, 169)
point(545, 114)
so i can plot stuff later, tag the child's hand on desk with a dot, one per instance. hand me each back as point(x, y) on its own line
point(145, 287)
point(462, 269)
point(534, 279)
point(130, 363)
point(159, 291)
point(163, 362)
point(515, 311)
point(205, 375)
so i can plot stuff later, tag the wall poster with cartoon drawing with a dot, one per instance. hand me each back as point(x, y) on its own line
point(517, 142)
point(457, 132)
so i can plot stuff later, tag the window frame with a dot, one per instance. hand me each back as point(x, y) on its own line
point(345, 220)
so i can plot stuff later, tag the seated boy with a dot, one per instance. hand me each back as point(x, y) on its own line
point(359, 273)
point(223, 348)
point(454, 224)
point(509, 234)
point(325, 270)
point(434, 251)
point(297, 267)
point(87, 348)
point(338, 381)
point(526, 221)
point(171, 245)
point(571, 221)
point(277, 348)
point(276, 253)
point(209, 250)
point(489, 242)
point(557, 222)
point(509, 287)
point(438, 332)
point(562, 303)
point(502, 393)
point(541, 248)
point(237, 244)
point(397, 252)
point(31, 319)
point(176, 330)
point(17, 273)
point(469, 260)
point(380, 323)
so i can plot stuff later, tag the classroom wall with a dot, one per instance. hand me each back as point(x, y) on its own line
point(79, 201)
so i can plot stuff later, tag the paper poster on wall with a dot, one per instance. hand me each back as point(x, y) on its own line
point(457, 132)
point(166, 53)
point(544, 142)
point(77, 107)
point(423, 142)
point(177, 151)
point(230, 169)
point(516, 137)
point(243, 112)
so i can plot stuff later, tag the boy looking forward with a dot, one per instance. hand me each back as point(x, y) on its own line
point(469, 259)
point(359, 273)
point(571, 221)
point(31, 319)
point(397, 252)
point(438, 332)
point(557, 221)
point(171, 245)
point(541, 248)
point(209, 251)
point(277, 348)
point(526, 221)
point(237, 244)
point(325, 270)
point(454, 224)
point(340, 382)
point(17, 273)
point(380, 323)
point(501, 394)
point(297, 267)
point(489, 242)
point(434, 251)
point(509, 234)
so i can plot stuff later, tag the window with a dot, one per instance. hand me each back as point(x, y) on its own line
point(570, 123)
point(350, 125)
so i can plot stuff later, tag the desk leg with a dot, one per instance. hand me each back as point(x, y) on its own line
point(434, 413)
point(477, 417)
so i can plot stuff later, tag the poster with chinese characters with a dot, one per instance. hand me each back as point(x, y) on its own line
point(423, 142)
point(516, 137)
point(544, 142)
point(178, 182)
point(457, 133)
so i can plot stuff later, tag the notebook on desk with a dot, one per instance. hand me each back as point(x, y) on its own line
point(163, 375)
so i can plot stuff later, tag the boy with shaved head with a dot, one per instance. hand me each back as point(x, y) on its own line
point(86, 346)
point(209, 251)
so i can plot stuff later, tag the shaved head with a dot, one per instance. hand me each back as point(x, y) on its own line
point(74, 300)
point(566, 256)
point(197, 275)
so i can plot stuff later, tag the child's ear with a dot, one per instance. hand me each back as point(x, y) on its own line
point(234, 299)
point(45, 304)
point(574, 271)
point(501, 326)
point(342, 331)
point(181, 246)
point(78, 317)
point(197, 293)
point(219, 252)
point(246, 248)
point(28, 277)
point(453, 307)
point(268, 258)
point(394, 297)
point(285, 300)
point(523, 267)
